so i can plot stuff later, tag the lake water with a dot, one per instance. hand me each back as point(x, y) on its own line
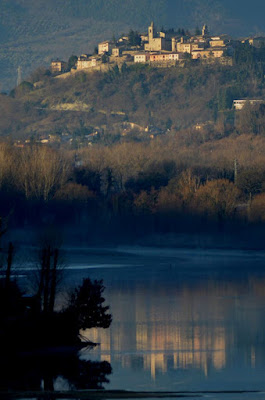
point(183, 320)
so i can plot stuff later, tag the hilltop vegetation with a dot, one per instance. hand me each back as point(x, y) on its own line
point(34, 32)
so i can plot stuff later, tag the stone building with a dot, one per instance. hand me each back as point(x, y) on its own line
point(218, 41)
point(58, 66)
point(85, 62)
point(187, 47)
point(116, 52)
point(183, 47)
point(157, 41)
point(105, 47)
point(208, 53)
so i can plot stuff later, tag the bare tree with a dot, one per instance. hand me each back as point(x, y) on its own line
point(49, 272)
point(41, 171)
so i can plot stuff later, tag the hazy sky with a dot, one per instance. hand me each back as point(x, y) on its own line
point(238, 17)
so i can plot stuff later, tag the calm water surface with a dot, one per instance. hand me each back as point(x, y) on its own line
point(182, 319)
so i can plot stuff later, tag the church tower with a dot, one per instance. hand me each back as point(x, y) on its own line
point(205, 31)
point(174, 44)
point(151, 31)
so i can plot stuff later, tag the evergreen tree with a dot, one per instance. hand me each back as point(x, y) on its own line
point(134, 38)
point(72, 62)
point(86, 306)
point(197, 31)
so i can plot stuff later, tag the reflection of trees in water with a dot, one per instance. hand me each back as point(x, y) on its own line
point(34, 372)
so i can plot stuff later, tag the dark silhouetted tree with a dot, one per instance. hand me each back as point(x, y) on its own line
point(86, 306)
point(72, 62)
point(134, 38)
point(49, 277)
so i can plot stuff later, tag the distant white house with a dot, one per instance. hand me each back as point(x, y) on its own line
point(255, 41)
point(239, 104)
point(141, 57)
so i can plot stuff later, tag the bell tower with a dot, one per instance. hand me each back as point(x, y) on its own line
point(205, 31)
point(174, 44)
point(151, 31)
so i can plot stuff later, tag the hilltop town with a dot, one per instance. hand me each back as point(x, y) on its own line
point(140, 86)
point(161, 49)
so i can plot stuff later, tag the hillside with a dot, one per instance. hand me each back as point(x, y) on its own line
point(34, 32)
point(138, 102)
point(176, 98)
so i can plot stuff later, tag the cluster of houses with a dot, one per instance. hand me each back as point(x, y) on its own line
point(159, 48)
point(162, 47)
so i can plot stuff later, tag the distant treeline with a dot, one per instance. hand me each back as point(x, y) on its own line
point(169, 185)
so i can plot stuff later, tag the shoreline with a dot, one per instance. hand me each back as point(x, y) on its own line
point(116, 394)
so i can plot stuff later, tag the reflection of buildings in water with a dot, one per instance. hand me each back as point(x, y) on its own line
point(200, 348)
point(174, 329)
point(253, 357)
